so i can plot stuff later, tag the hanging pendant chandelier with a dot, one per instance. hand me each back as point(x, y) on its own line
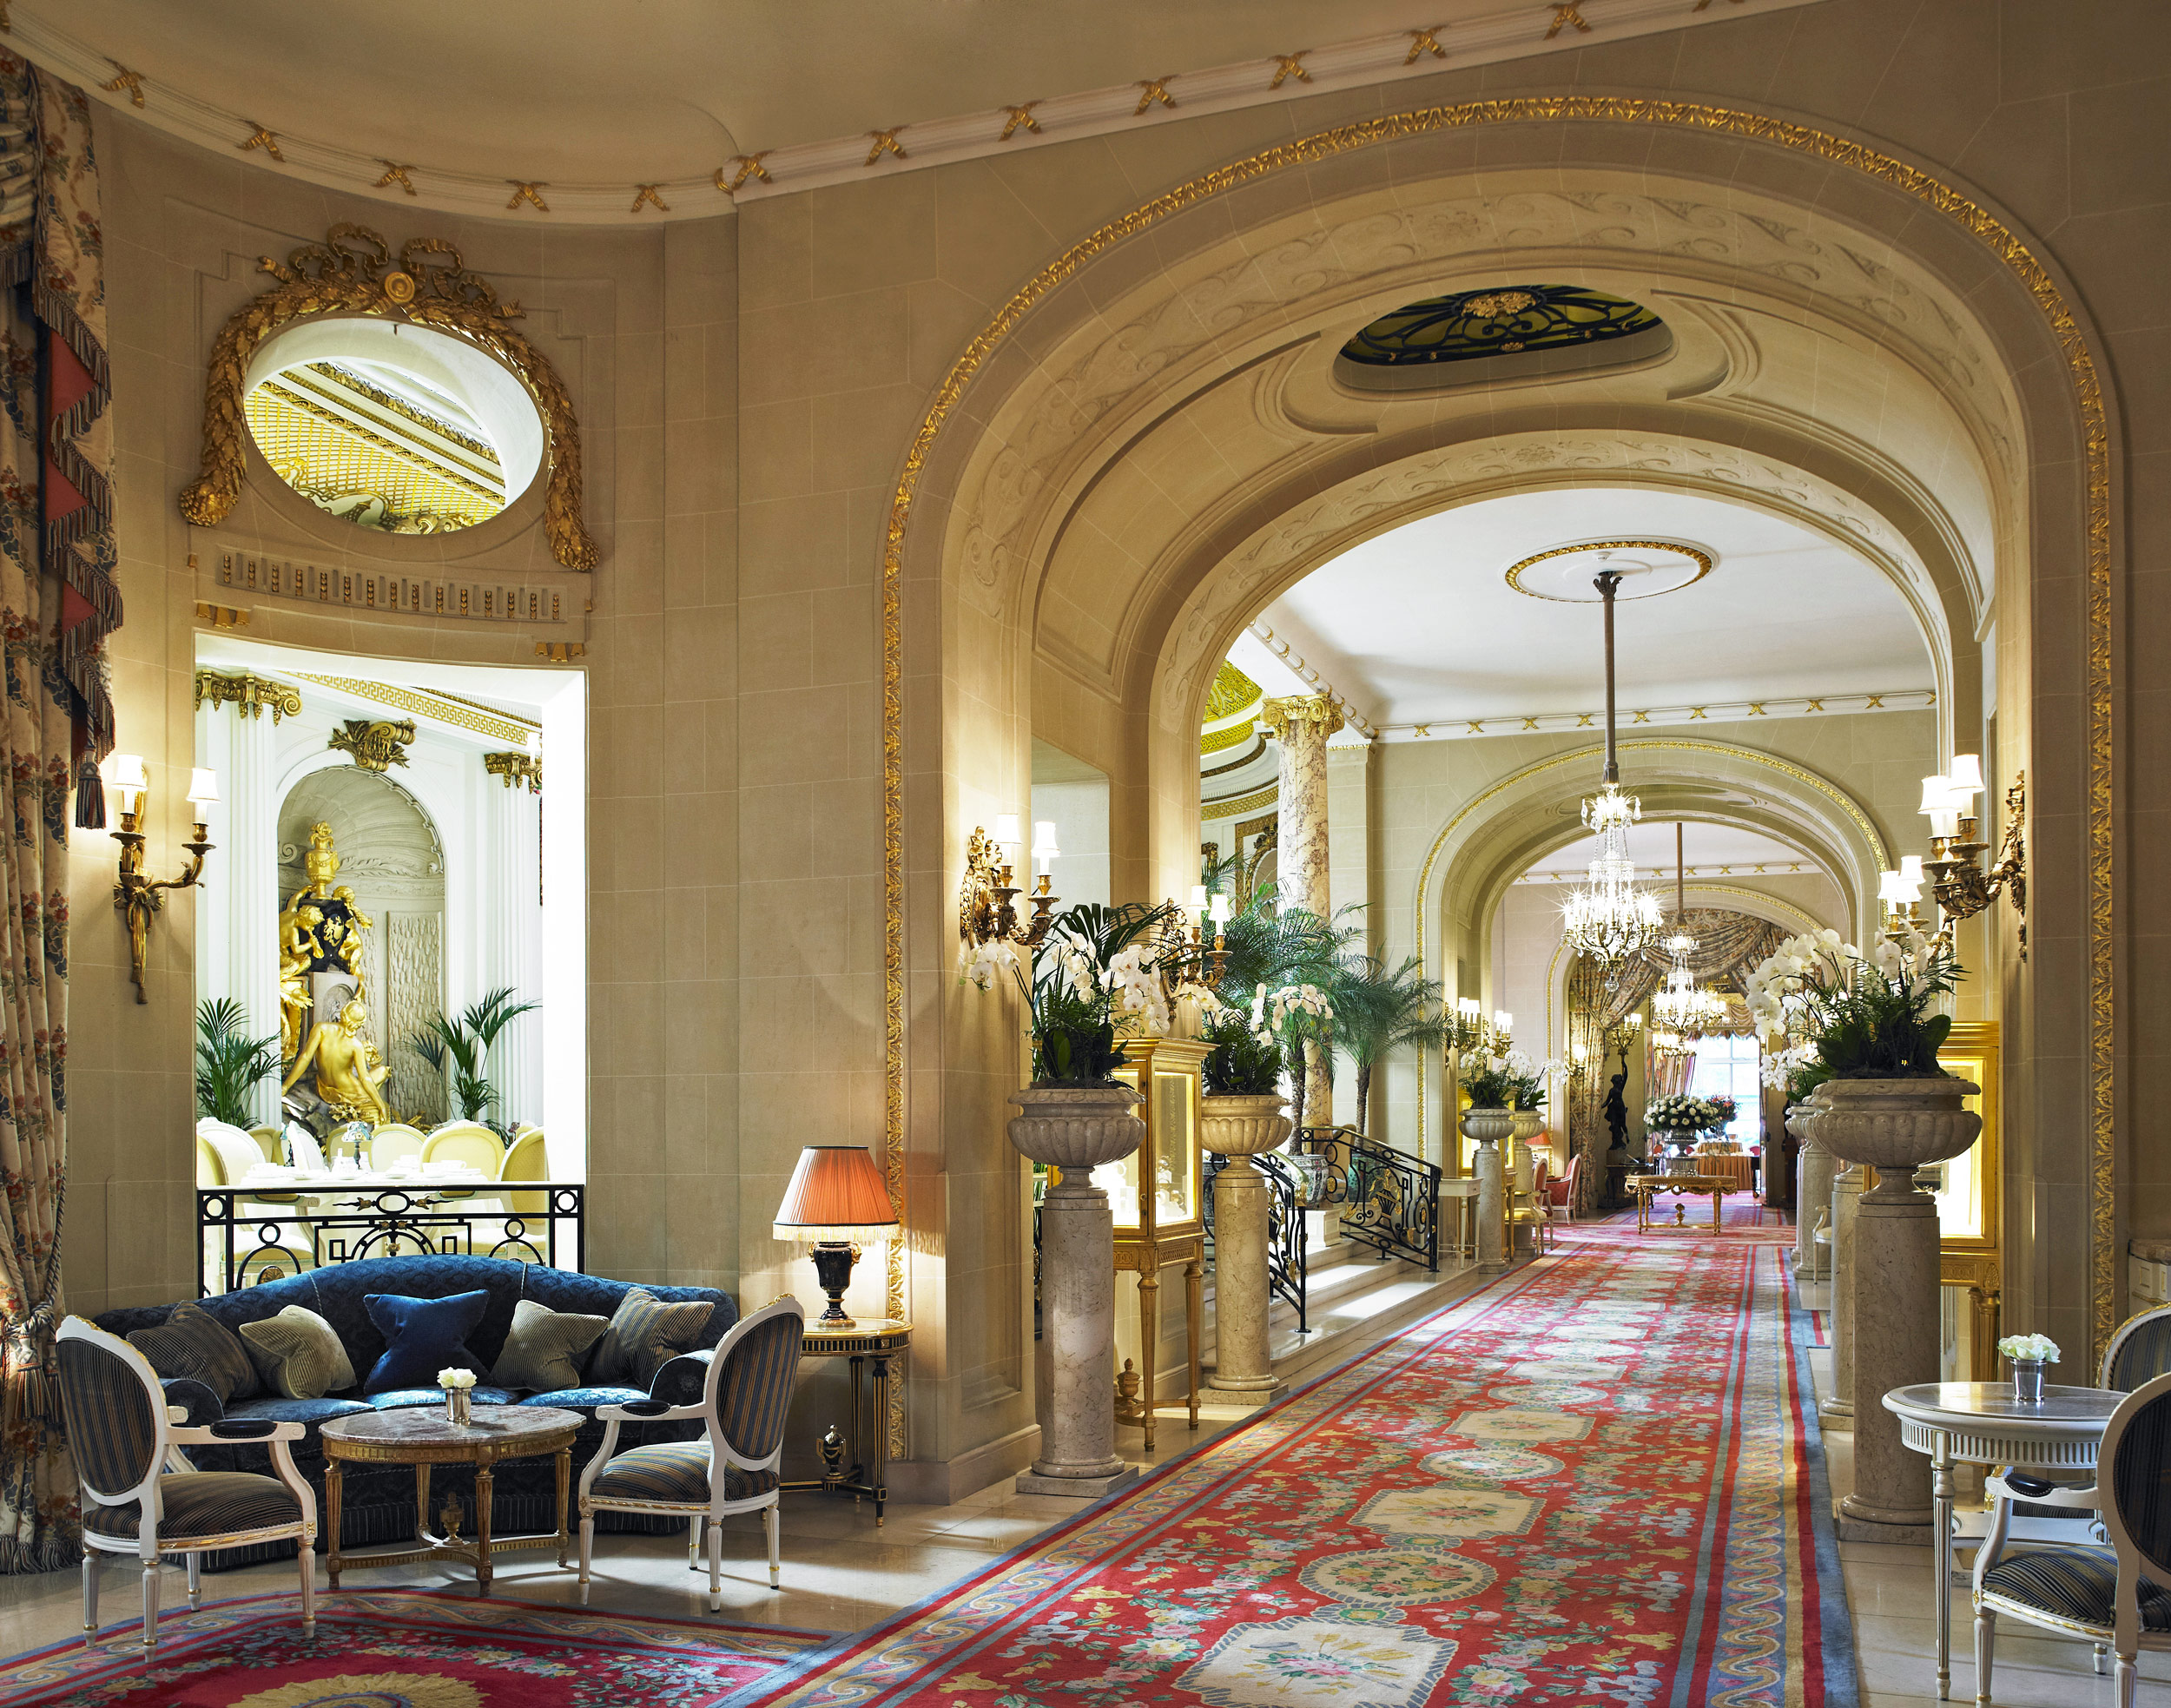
point(1681, 1006)
point(1607, 919)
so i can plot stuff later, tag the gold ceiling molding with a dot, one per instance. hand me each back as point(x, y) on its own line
point(1245, 803)
point(1701, 558)
point(351, 273)
point(1976, 220)
point(440, 708)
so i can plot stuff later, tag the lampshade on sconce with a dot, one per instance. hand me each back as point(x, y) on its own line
point(836, 1200)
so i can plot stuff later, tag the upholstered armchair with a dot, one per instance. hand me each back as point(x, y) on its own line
point(2116, 1597)
point(733, 1468)
point(141, 1497)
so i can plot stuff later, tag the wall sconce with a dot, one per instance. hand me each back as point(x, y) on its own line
point(1205, 954)
point(984, 909)
point(135, 897)
point(1960, 885)
point(1902, 893)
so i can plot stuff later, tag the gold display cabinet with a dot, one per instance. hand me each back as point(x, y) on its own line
point(1154, 1194)
point(1968, 1197)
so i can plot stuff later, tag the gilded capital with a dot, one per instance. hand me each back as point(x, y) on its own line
point(248, 694)
point(1315, 710)
point(512, 769)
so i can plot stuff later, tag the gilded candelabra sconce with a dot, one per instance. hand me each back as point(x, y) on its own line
point(1958, 882)
point(1202, 952)
point(376, 744)
point(984, 912)
point(135, 897)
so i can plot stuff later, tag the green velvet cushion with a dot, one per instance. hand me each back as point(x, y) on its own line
point(297, 1355)
point(542, 1351)
point(192, 1343)
point(645, 1334)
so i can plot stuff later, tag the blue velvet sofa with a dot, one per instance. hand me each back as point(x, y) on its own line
point(378, 1500)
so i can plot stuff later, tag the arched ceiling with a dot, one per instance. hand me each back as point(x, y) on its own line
point(1418, 626)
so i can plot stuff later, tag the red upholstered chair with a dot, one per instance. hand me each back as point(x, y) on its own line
point(1559, 1197)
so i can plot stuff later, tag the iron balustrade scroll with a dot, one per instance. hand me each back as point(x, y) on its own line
point(1391, 1198)
point(244, 1237)
point(1287, 1272)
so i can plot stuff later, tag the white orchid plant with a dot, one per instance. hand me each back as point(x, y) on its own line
point(1866, 1016)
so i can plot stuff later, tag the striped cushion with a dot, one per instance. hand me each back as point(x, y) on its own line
point(192, 1343)
point(2076, 1584)
point(111, 1428)
point(204, 1503)
point(756, 1387)
point(674, 1471)
point(298, 1355)
point(2144, 1355)
point(645, 1334)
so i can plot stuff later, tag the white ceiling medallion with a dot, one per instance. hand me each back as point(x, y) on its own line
point(1647, 569)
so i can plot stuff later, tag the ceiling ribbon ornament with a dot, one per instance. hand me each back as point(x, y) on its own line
point(352, 273)
point(261, 138)
point(125, 79)
point(1565, 17)
point(750, 166)
point(394, 173)
point(531, 193)
point(1422, 42)
point(1020, 115)
point(645, 195)
point(1155, 89)
point(1288, 65)
point(886, 143)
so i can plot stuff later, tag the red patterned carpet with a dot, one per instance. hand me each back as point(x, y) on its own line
point(1592, 1484)
point(404, 1649)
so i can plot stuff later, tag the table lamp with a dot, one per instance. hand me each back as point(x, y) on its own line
point(837, 1198)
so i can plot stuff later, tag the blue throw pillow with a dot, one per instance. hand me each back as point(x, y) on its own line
point(422, 1337)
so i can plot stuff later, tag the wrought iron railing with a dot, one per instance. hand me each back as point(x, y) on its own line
point(1286, 1268)
point(247, 1236)
point(1391, 1199)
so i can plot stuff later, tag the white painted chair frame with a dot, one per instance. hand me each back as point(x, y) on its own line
point(705, 1519)
point(2124, 1635)
point(167, 1456)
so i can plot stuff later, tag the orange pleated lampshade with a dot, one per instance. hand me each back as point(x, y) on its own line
point(836, 1193)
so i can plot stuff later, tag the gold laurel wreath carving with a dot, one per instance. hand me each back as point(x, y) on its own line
point(351, 273)
point(1977, 221)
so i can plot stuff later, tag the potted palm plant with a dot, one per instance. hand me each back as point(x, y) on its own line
point(460, 1049)
point(1382, 1012)
point(230, 1063)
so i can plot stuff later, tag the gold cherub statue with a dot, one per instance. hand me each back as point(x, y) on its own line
point(349, 1069)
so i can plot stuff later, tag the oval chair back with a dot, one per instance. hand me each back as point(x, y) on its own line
point(209, 1170)
point(749, 1387)
point(468, 1142)
point(116, 1416)
point(526, 1160)
point(394, 1143)
point(267, 1141)
point(2139, 1350)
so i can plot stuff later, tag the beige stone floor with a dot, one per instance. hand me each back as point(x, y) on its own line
point(843, 1574)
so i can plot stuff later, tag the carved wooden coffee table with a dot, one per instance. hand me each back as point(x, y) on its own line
point(421, 1436)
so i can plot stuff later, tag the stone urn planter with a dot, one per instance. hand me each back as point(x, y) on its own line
point(1894, 1126)
point(1486, 1128)
point(1077, 1128)
point(1525, 1125)
point(1240, 1128)
point(1235, 1125)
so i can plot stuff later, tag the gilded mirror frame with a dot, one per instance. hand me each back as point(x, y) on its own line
point(352, 273)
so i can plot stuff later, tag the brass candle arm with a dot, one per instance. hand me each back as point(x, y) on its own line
point(136, 898)
point(1957, 880)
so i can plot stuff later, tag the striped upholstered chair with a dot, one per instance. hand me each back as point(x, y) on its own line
point(124, 1440)
point(732, 1468)
point(2119, 1596)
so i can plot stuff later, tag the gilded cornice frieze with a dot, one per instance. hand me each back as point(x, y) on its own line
point(440, 708)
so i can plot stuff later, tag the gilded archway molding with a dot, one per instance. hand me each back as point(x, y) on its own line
point(351, 273)
point(1962, 212)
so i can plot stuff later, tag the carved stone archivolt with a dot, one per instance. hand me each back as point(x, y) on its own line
point(352, 273)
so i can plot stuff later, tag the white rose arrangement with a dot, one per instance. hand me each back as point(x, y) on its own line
point(2029, 1348)
point(451, 1381)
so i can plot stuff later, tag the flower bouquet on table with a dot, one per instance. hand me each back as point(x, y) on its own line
point(459, 1398)
point(2027, 1354)
point(1677, 1122)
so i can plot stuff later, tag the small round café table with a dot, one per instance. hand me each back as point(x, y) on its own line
point(423, 1436)
point(1982, 1423)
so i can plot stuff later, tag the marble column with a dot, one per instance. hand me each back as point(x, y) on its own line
point(1077, 1316)
point(1838, 1410)
point(237, 907)
point(1895, 1342)
point(1492, 1210)
point(1244, 1364)
point(511, 869)
point(1300, 724)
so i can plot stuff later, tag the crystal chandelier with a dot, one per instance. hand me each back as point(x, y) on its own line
point(1607, 919)
point(1681, 1006)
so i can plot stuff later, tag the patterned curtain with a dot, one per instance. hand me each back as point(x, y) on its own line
point(58, 604)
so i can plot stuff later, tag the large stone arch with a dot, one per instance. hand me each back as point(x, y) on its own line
point(1067, 493)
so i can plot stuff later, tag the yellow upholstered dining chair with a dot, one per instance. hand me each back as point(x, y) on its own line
point(395, 1142)
point(267, 1141)
point(123, 1436)
point(224, 1157)
point(733, 1468)
point(527, 1159)
point(468, 1142)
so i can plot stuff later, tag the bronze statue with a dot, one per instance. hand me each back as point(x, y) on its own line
point(1617, 1110)
point(348, 1068)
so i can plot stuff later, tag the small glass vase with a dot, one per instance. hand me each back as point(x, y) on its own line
point(2027, 1380)
point(459, 1405)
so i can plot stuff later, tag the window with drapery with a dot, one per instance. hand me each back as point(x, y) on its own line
point(1727, 1066)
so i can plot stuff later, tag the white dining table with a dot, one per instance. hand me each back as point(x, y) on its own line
point(1982, 1423)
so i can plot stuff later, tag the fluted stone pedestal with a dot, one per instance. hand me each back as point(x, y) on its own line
point(1837, 1412)
point(1078, 1318)
point(1244, 1366)
point(1814, 1167)
point(1492, 1226)
point(1895, 1343)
